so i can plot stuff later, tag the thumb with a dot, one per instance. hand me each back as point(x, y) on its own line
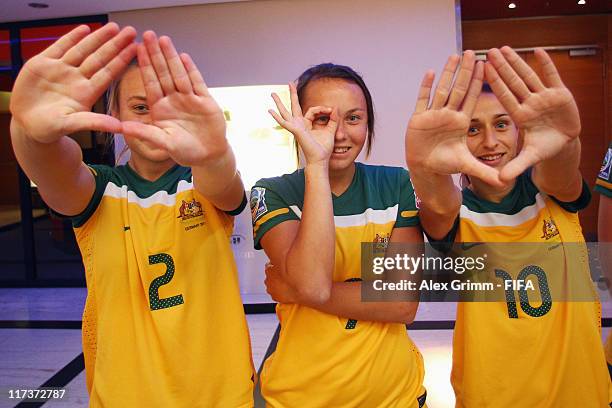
point(518, 165)
point(86, 121)
point(146, 133)
point(332, 123)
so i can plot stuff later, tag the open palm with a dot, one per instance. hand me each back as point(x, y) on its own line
point(56, 89)
point(543, 108)
point(436, 135)
point(186, 121)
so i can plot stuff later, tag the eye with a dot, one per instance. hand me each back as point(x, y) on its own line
point(321, 120)
point(473, 130)
point(353, 118)
point(501, 125)
point(140, 108)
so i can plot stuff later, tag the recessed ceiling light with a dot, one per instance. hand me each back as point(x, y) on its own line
point(511, 6)
point(38, 5)
point(581, 2)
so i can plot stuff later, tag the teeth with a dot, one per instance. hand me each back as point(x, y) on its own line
point(341, 149)
point(491, 157)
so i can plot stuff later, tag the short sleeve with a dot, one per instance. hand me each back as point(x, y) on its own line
point(101, 175)
point(408, 211)
point(268, 209)
point(238, 209)
point(603, 183)
point(580, 203)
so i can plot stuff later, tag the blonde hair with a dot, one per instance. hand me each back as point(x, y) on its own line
point(112, 108)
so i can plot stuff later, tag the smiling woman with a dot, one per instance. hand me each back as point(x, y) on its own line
point(518, 192)
point(335, 350)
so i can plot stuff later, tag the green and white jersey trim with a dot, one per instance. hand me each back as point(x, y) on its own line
point(496, 219)
point(160, 197)
point(369, 216)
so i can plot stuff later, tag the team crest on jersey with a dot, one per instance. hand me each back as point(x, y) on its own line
point(190, 209)
point(549, 229)
point(258, 203)
point(381, 241)
point(606, 168)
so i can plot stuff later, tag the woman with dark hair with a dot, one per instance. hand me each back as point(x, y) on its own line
point(539, 348)
point(335, 350)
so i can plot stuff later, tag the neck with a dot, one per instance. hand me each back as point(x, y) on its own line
point(150, 170)
point(488, 192)
point(340, 180)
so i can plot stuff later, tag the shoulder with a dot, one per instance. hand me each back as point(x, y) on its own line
point(287, 185)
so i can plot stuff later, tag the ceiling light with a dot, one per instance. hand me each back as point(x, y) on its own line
point(38, 5)
point(511, 6)
point(581, 2)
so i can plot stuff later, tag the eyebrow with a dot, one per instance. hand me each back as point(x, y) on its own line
point(355, 110)
point(499, 115)
point(137, 97)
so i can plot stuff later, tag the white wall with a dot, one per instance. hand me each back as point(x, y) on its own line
point(390, 42)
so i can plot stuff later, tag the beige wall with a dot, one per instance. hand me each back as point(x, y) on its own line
point(391, 42)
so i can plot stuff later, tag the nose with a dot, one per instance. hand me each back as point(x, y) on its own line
point(490, 138)
point(340, 132)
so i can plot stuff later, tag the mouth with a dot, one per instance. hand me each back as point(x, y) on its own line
point(491, 159)
point(341, 150)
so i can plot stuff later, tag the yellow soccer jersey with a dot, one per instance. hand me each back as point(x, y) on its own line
point(603, 185)
point(323, 360)
point(163, 324)
point(523, 353)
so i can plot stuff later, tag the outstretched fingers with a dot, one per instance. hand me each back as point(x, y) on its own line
point(462, 82)
point(424, 92)
point(66, 42)
point(551, 75)
point(158, 62)
point(176, 66)
point(153, 89)
point(88, 45)
point(444, 85)
point(197, 81)
point(97, 59)
point(473, 92)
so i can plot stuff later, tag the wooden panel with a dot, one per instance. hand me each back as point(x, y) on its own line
point(517, 33)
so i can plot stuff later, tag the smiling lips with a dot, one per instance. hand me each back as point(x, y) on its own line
point(341, 150)
point(491, 159)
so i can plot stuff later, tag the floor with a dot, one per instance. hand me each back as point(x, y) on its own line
point(31, 357)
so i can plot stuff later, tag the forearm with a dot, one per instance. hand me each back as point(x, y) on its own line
point(559, 176)
point(56, 168)
point(220, 182)
point(309, 263)
point(345, 301)
point(440, 201)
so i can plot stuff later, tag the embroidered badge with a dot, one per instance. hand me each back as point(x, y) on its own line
point(190, 209)
point(549, 229)
point(258, 203)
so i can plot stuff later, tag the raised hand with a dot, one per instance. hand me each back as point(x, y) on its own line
point(56, 89)
point(436, 135)
point(185, 119)
point(317, 143)
point(543, 108)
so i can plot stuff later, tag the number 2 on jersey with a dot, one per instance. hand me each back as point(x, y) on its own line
point(154, 301)
point(524, 299)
